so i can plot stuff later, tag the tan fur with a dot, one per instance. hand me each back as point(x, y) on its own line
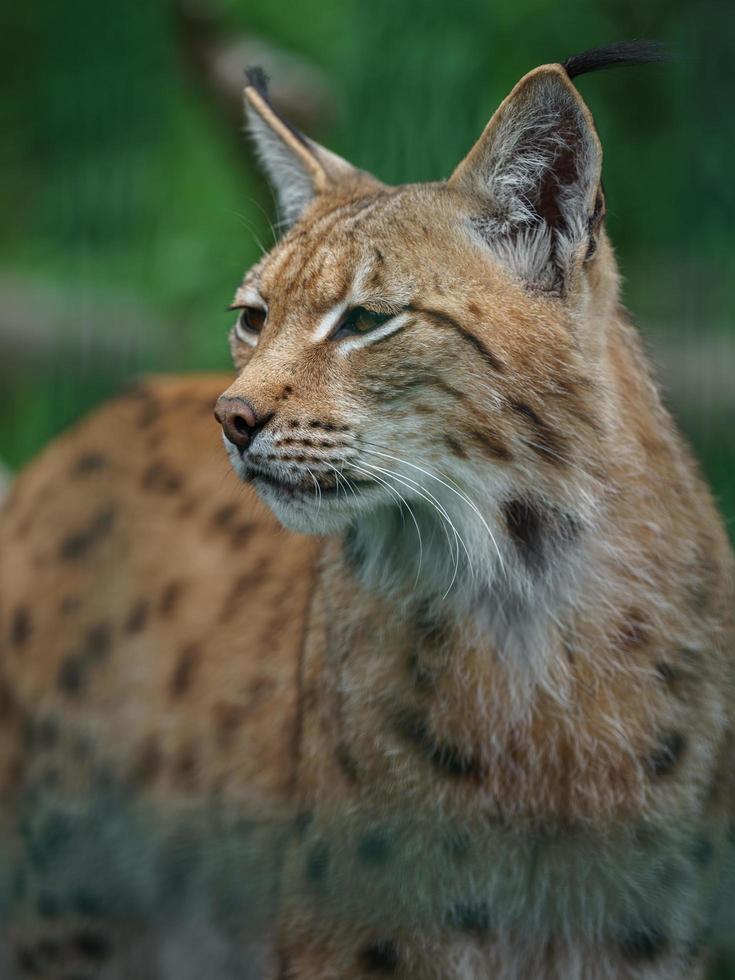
point(563, 706)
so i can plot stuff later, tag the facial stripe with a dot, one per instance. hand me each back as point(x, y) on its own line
point(442, 319)
point(399, 387)
point(490, 444)
point(546, 443)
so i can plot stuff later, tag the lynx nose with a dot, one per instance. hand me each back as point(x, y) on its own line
point(238, 420)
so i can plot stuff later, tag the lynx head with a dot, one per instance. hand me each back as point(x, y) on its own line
point(418, 364)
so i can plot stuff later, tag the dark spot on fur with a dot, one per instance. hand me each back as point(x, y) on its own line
point(138, 616)
point(71, 677)
point(170, 597)
point(374, 847)
point(469, 917)
point(98, 641)
point(20, 627)
point(668, 674)
point(381, 957)
point(526, 528)
point(346, 762)
point(92, 945)
point(445, 758)
point(664, 759)
point(242, 587)
point(317, 864)
point(183, 672)
point(147, 763)
point(89, 463)
point(223, 515)
point(643, 946)
point(76, 546)
point(159, 477)
point(228, 717)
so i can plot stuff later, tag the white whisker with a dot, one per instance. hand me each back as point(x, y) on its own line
point(402, 502)
point(453, 489)
point(446, 520)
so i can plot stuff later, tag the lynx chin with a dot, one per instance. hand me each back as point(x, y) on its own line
point(475, 702)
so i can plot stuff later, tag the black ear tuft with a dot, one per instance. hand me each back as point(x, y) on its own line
point(615, 56)
point(256, 77)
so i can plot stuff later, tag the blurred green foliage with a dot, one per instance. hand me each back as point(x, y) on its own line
point(124, 204)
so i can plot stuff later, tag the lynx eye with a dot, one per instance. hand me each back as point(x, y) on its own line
point(360, 320)
point(250, 321)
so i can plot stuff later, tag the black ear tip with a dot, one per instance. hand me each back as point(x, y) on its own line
point(616, 55)
point(257, 78)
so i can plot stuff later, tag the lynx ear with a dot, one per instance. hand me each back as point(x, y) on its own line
point(534, 175)
point(298, 168)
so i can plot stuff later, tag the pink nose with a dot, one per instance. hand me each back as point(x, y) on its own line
point(238, 420)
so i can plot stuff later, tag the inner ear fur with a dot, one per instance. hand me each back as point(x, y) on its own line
point(534, 175)
point(297, 167)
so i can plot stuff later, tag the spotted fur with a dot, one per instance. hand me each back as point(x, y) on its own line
point(473, 711)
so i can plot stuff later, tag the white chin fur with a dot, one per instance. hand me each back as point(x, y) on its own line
point(306, 517)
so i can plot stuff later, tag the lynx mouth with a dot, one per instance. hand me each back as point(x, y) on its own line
point(312, 506)
point(308, 490)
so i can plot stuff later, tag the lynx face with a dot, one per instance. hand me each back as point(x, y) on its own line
point(412, 356)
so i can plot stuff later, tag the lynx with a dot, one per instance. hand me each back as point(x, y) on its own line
point(470, 716)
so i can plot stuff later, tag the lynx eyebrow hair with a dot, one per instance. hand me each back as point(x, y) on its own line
point(620, 55)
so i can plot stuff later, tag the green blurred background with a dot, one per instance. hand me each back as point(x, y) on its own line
point(131, 205)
